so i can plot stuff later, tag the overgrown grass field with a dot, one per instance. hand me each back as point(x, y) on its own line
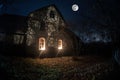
point(60, 68)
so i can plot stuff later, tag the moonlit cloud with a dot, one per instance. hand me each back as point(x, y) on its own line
point(1, 5)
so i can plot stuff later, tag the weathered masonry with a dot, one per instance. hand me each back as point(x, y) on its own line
point(47, 35)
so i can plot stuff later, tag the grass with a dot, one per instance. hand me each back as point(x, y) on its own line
point(60, 68)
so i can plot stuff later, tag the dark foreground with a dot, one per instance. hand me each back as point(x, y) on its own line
point(61, 68)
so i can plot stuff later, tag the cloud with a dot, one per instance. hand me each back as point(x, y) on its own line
point(1, 5)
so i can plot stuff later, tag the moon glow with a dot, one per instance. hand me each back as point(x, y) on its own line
point(75, 7)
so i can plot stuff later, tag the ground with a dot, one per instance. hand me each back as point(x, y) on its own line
point(60, 68)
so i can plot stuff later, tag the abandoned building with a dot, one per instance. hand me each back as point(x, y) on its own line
point(44, 33)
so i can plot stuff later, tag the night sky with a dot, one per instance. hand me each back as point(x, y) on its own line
point(23, 7)
point(89, 22)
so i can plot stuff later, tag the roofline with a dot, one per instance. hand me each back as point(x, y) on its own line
point(47, 7)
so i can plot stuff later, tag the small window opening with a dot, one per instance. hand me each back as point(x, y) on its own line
point(52, 14)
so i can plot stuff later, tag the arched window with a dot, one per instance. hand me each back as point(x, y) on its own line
point(52, 14)
point(42, 43)
point(59, 44)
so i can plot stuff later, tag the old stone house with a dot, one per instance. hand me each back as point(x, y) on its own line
point(47, 34)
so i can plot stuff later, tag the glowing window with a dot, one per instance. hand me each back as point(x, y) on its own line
point(60, 44)
point(42, 44)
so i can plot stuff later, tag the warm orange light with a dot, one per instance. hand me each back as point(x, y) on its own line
point(42, 48)
point(42, 43)
point(59, 44)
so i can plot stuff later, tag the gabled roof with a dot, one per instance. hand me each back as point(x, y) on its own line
point(52, 5)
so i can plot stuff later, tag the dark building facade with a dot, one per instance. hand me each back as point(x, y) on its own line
point(46, 34)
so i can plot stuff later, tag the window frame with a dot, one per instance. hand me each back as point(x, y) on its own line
point(60, 44)
point(42, 43)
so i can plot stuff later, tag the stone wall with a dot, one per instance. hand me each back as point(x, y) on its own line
point(48, 23)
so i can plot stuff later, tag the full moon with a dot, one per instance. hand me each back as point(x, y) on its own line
point(75, 7)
